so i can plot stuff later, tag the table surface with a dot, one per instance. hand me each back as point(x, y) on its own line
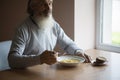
point(84, 71)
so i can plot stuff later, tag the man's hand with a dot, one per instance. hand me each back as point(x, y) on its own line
point(48, 57)
point(85, 56)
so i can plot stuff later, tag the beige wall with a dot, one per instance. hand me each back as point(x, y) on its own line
point(13, 12)
point(64, 13)
point(85, 23)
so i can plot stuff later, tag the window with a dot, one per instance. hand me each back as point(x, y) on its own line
point(108, 25)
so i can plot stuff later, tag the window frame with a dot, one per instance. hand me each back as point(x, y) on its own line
point(99, 29)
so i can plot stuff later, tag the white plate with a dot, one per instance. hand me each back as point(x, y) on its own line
point(69, 57)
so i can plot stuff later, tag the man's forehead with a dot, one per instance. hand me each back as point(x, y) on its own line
point(42, 0)
point(37, 1)
point(49, 0)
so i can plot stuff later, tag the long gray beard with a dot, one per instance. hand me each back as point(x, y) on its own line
point(45, 22)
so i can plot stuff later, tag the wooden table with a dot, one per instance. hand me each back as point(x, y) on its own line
point(83, 71)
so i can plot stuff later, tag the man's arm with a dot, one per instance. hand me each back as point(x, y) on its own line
point(66, 43)
point(21, 61)
point(16, 58)
point(69, 45)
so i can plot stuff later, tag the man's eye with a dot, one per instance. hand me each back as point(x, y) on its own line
point(50, 3)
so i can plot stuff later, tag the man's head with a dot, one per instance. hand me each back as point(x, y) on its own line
point(40, 7)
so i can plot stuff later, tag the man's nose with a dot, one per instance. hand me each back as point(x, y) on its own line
point(47, 7)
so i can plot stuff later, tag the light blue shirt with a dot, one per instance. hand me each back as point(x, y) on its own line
point(30, 41)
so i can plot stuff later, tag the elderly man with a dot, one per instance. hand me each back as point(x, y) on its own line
point(37, 36)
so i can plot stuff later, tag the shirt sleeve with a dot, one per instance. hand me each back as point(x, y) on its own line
point(67, 44)
point(16, 58)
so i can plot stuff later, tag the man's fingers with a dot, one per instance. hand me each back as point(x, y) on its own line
point(88, 58)
point(49, 57)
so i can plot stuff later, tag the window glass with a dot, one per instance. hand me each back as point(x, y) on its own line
point(108, 25)
point(116, 22)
